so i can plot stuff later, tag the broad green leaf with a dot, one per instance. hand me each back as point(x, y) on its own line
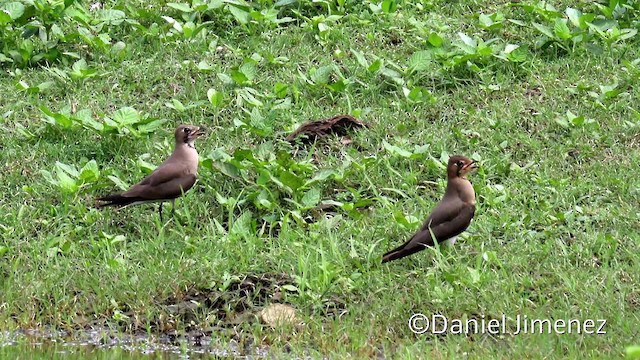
point(45, 85)
point(632, 352)
point(240, 15)
point(239, 77)
point(435, 39)
point(393, 75)
point(280, 90)
point(544, 30)
point(85, 117)
point(628, 34)
point(180, 6)
point(215, 4)
point(389, 6)
point(420, 60)
point(610, 91)
point(215, 97)
point(322, 74)
point(151, 126)
point(518, 54)
point(510, 47)
point(66, 183)
point(204, 66)
point(126, 116)
point(395, 150)
point(485, 21)
point(242, 225)
point(80, 65)
point(375, 66)
point(574, 16)
point(247, 96)
point(89, 171)
point(474, 274)
point(111, 15)
point(562, 122)
point(5, 18)
point(176, 105)
point(467, 40)
point(69, 169)
point(322, 175)
point(360, 58)
point(228, 169)
point(281, 3)
point(188, 29)
point(249, 70)
point(561, 29)
point(338, 86)
point(574, 119)
point(311, 198)
point(47, 176)
point(289, 288)
point(290, 180)
point(145, 166)
point(14, 9)
point(176, 25)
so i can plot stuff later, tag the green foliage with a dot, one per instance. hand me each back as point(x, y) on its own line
point(126, 120)
point(38, 31)
point(612, 26)
point(275, 184)
point(69, 179)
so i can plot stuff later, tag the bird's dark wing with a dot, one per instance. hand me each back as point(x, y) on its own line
point(443, 230)
point(162, 186)
point(144, 192)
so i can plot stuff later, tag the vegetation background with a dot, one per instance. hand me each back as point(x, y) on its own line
point(544, 93)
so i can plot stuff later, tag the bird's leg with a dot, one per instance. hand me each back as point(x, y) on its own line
point(160, 211)
point(173, 207)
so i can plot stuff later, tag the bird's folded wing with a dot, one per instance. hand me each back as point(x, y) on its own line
point(155, 189)
point(456, 225)
point(449, 226)
point(446, 211)
point(164, 173)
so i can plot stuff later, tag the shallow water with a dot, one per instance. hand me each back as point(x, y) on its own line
point(36, 344)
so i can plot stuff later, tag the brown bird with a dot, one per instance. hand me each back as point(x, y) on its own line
point(174, 177)
point(451, 216)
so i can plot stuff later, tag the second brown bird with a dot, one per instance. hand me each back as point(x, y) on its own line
point(450, 217)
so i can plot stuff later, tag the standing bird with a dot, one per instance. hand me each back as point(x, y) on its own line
point(174, 177)
point(452, 215)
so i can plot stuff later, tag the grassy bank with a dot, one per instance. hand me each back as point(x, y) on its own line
point(545, 97)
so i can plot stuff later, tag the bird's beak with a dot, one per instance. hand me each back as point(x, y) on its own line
point(199, 132)
point(471, 166)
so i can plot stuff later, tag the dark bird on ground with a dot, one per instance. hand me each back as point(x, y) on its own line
point(451, 216)
point(174, 177)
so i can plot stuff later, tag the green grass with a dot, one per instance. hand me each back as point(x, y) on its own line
point(555, 235)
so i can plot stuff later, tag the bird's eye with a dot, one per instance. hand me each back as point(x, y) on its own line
point(459, 163)
point(187, 130)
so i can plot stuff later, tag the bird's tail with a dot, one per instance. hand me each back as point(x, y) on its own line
point(114, 200)
point(399, 254)
point(401, 251)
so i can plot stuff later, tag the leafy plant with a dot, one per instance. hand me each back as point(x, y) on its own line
point(69, 179)
point(576, 27)
point(572, 120)
point(123, 121)
point(35, 31)
point(274, 183)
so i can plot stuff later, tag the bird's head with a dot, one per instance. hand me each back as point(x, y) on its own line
point(460, 166)
point(187, 134)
